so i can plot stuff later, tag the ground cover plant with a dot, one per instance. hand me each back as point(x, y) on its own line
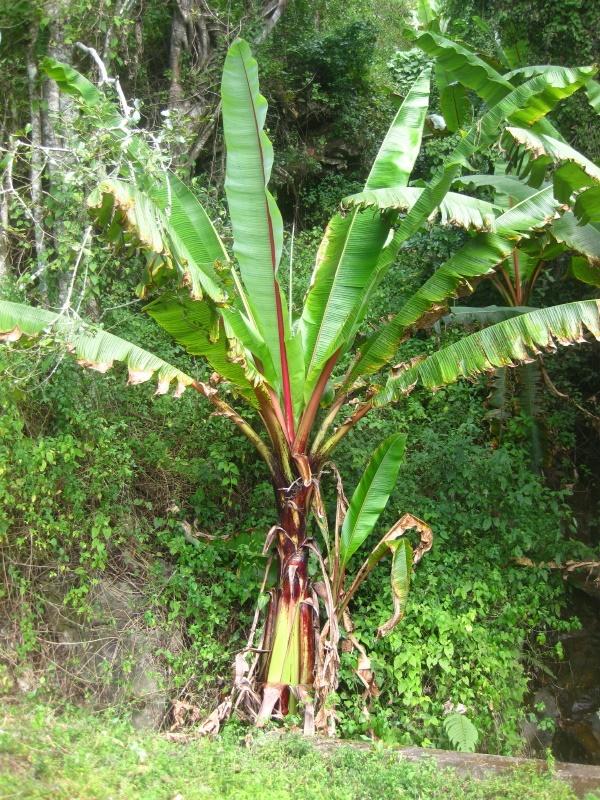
point(73, 754)
point(298, 374)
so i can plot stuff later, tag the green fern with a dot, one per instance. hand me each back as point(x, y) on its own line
point(462, 733)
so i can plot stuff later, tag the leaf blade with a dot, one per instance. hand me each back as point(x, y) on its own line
point(455, 209)
point(345, 273)
point(513, 341)
point(396, 158)
point(256, 221)
point(371, 495)
point(93, 347)
point(400, 578)
point(197, 327)
point(475, 260)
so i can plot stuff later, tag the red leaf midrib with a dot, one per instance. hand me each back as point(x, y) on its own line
point(285, 373)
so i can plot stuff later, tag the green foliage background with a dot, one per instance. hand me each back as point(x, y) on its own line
point(96, 477)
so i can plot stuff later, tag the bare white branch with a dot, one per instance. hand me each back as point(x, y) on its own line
point(105, 78)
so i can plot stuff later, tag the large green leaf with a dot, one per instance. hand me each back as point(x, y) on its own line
point(371, 494)
point(587, 205)
point(584, 239)
point(525, 105)
point(508, 185)
point(255, 218)
point(193, 238)
point(242, 328)
point(523, 72)
point(465, 66)
point(528, 215)
point(592, 87)
point(514, 341)
point(126, 212)
point(346, 270)
point(461, 64)
point(456, 277)
point(592, 90)
point(455, 105)
point(405, 133)
point(93, 347)
point(345, 264)
point(72, 82)
point(197, 326)
point(399, 150)
point(573, 229)
point(175, 231)
point(573, 170)
point(455, 209)
point(404, 558)
point(512, 54)
point(400, 575)
point(178, 231)
point(585, 272)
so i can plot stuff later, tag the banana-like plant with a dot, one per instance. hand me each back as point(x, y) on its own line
point(232, 313)
point(537, 161)
point(517, 278)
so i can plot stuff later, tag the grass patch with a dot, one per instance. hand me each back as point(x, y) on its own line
point(75, 755)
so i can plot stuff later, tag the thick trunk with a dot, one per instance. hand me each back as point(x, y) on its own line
point(292, 622)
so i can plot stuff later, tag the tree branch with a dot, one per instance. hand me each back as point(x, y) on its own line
point(103, 77)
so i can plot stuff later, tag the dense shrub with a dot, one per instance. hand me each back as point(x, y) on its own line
point(475, 617)
point(97, 477)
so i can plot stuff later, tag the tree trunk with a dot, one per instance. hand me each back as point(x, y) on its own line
point(59, 107)
point(272, 13)
point(56, 117)
point(197, 31)
point(36, 166)
point(292, 620)
point(4, 212)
